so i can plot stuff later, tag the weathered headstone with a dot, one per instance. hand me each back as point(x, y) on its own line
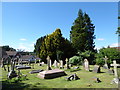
point(55, 63)
point(12, 73)
point(105, 65)
point(72, 77)
point(61, 64)
point(96, 69)
point(86, 65)
point(111, 71)
point(67, 63)
point(115, 65)
point(116, 79)
point(48, 63)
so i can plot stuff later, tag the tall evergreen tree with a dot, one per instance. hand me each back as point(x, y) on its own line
point(82, 33)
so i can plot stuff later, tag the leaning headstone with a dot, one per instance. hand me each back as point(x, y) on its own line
point(61, 64)
point(72, 77)
point(116, 79)
point(75, 68)
point(96, 69)
point(86, 65)
point(106, 65)
point(48, 63)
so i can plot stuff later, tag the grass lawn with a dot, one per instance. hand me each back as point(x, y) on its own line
point(85, 81)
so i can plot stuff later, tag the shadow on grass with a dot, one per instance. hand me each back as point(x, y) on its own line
point(6, 85)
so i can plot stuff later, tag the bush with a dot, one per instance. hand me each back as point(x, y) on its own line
point(75, 60)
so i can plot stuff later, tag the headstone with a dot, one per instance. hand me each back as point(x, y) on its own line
point(111, 71)
point(86, 65)
point(35, 71)
point(115, 68)
point(106, 65)
point(48, 63)
point(96, 69)
point(67, 63)
point(61, 64)
point(12, 73)
point(72, 77)
point(95, 79)
point(55, 63)
point(116, 79)
point(49, 74)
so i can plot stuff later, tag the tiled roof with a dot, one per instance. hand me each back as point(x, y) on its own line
point(11, 53)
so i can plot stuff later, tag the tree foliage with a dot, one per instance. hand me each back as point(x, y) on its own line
point(7, 48)
point(111, 54)
point(55, 46)
point(82, 33)
point(75, 60)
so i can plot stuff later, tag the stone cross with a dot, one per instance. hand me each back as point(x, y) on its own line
point(86, 65)
point(105, 59)
point(105, 65)
point(115, 68)
point(48, 63)
point(61, 64)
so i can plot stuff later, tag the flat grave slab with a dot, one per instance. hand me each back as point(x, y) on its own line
point(35, 71)
point(49, 74)
point(22, 67)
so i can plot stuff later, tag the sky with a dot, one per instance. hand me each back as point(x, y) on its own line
point(24, 22)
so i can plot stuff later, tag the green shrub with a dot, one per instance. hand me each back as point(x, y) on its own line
point(75, 60)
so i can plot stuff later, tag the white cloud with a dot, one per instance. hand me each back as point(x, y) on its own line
point(23, 39)
point(100, 39)
point(26, 46)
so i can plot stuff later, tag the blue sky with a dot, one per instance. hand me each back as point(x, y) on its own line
point(24, 22)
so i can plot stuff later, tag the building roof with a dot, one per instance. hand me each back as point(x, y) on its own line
point(27, 57)
point(11, 53)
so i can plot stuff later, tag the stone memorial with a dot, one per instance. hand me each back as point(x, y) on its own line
point(105, 65)
point(67, 63)
point(72, 77)
point(48, 63)
point(49, 74)
point(111, 71)
point(86, 65)
point(96, 69)
point(116, 79)
point(61, 64)
point(12, 73)
point(55, 63)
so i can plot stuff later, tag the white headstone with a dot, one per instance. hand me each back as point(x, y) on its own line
point(86, 65)
point(115, 68)
point(61, 64)
point(55, 63)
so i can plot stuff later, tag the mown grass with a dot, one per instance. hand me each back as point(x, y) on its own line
point(85, 81)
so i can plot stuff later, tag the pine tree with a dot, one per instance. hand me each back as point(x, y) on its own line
point(82, 33)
